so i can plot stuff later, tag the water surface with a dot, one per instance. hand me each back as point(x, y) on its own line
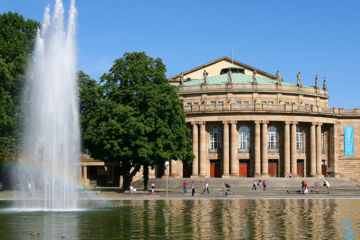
point(189, 219)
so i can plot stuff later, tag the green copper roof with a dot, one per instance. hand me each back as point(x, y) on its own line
point(237, 78)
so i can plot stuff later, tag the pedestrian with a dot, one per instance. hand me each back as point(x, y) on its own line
point(29, 187)
point(153, 187)
point(226, 188)
point(306, 188)
point(326, 183)
point(185, 186)
point(264, 185)
point(254, 186)
point(1, 186)
point(192, 188)
point(259, 185)
point(131, 189)
point(206, 188)
point(302, 186)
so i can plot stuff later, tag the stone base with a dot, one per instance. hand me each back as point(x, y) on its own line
point(194, 176)
point(265, 175)
point(225, 175)
point(234, 175)
point(257, 175)
point(202, 176)
point(313, 175)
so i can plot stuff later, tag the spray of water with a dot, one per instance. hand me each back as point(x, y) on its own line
point(51, 146)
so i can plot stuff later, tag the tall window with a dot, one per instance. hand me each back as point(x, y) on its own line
point(299, 140)
point(215, 139)
point(244, 139)
point(273, 139)
point(322, 142)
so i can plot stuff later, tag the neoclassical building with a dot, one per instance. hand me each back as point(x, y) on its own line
point(248, 123)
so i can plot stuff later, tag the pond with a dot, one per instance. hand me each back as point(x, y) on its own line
point(189, 219)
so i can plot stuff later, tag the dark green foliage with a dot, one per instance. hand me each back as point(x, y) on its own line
point(16, 41)
point(140, 121)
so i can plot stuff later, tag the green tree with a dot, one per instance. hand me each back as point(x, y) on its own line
point(140, 120)
point(17, 37)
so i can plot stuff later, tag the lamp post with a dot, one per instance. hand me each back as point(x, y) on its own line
point(167, 176)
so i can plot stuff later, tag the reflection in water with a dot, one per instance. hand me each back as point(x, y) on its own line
point(193, 219)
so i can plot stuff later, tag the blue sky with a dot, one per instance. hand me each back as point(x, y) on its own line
point(312, 37)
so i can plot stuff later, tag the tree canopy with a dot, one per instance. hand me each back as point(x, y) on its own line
point(140, 120)
point(17, 36)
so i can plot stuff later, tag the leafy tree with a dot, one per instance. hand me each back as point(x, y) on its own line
point(17, 36)
point(140, 121)
point(89, 97)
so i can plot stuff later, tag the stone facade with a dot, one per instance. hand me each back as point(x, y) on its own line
point(289, 129)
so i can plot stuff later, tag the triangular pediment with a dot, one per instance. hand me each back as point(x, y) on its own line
point(214, 68)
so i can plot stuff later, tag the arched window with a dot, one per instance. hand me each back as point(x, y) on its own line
point(299, 140)
point(273, 139)
point(215, 139)
point(244, 139)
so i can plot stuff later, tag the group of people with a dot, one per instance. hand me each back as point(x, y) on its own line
point(304, 187)
point(261, 185)
point(226, 188)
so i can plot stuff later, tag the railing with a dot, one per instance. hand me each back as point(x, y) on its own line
point(272, 108)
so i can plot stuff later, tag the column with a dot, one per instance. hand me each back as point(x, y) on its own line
point(226, 150)
point(293, 150)
point(318, 150)
point(173, 168)
point(202, 149)
point(195, 145)
point(312, 151)
point(265, 160)
point(257, 149)
point(287, 150)
point(85, 179)
point(234, 150)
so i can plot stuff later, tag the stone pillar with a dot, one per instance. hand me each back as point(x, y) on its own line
point(202, 149)
point(85, 179)
point(318, 150)
point(234, 150)
point(226, 150)
point(195, 145)
point(173, 168)
point(312, 151)
point(265, 160)
point(287, 149)
point(293, 150)
point(257, 150)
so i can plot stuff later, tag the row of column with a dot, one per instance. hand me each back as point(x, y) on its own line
point(231, 162)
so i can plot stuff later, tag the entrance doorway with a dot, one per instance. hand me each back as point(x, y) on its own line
point(273, 167)
point(187, 170)
point(243, 168)
point(324, 170)
point(300, 167)
point(215, 168)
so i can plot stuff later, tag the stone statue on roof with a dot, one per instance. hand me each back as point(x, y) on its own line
point(254, 77)
point(316, 81)
point(181, 79)
point(229, 77)
point(205, 74)
point(298, 79)
point(324, 85)
point(278, 77)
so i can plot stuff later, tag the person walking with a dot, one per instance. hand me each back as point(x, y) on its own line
point(254, 186)
point(185, 186)
point(192, 188)
point(153, 187)
point(206, 188)
point(264, 185)
point(259, 185)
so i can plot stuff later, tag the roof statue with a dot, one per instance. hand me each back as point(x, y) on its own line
point(278, 77)
point(181, 79)
point(229, 77)
point(316, 81)
point(254, 77)
point(324, 85)
point(298, 79)
point(205, 74)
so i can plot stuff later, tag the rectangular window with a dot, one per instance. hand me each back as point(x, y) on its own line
point(238, 103)
point(287, 103)
point(221, 103)
point(189, 104)
point(271, 103)
point(299, 142)
point(246, 102)
point(196, 103)
point(323, 142)
point(273, 142)
point(213, 104)
point(263, 102)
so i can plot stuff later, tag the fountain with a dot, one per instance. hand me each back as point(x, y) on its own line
point(51, 141)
